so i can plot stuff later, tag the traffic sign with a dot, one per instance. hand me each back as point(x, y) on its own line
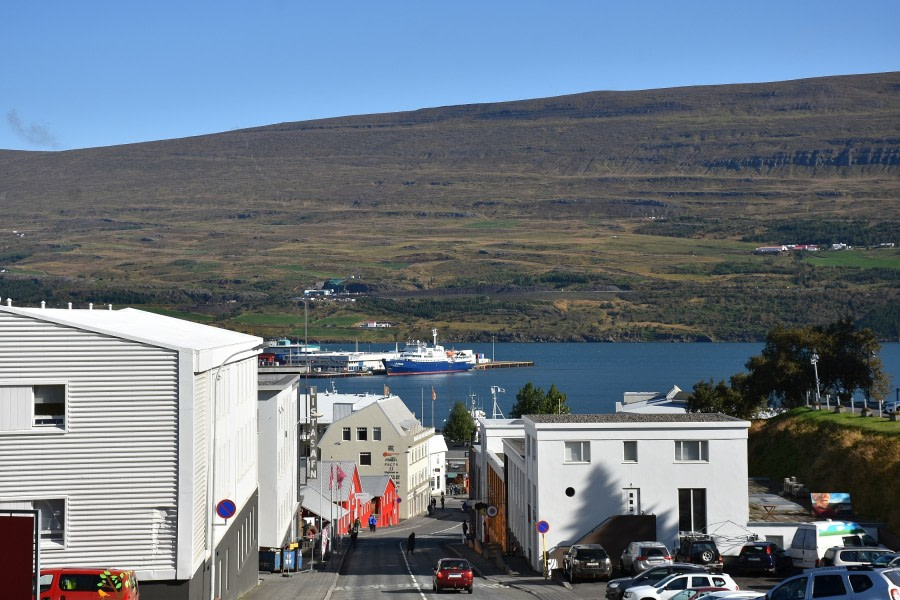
point(543, 526)
point(226, 509)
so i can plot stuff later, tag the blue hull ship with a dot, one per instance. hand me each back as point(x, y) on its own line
point(418, 358)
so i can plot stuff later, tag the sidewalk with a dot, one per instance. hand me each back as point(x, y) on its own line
point(315, 584)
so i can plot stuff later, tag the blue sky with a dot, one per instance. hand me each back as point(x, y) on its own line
point(101, 73)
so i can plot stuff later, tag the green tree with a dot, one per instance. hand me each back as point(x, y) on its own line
point(783, 373)
point(460, 424)
point(532, 400)
point(726, 399)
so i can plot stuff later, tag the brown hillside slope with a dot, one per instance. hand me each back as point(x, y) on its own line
point(597, 216)
point(828, 455)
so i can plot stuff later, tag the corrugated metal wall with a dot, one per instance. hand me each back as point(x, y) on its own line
point(116, 462)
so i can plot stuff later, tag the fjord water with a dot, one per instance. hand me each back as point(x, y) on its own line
point(593, 376)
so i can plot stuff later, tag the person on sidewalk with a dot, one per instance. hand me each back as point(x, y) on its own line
point(465, 530)
point(353, 535)
point(372, 522)
point(442, 500)
point(411, 543)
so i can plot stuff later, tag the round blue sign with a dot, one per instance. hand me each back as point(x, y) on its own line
point(226, 509)
point(543, 526)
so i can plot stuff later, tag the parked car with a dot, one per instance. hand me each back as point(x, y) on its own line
point(696, 593)
point(762, 556)
point(839, 583)
point(891, 407)
point(673, 584)
point(839, 556)
point(452, 574)
point(586, 560)
point(735, 595)
point(615, 589)
point(640, 556)
point(701, 550)
point(84, 584)
point(891, 559)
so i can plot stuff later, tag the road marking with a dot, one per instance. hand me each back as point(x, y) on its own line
point(409, 570)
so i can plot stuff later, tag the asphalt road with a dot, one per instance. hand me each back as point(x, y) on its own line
point(380, 564)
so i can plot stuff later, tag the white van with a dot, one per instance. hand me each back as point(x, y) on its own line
point(812, 540)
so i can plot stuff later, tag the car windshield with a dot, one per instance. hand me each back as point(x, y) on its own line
point(754, 550)
point(591, 554)
point(664, 581)
point(703, 546)
point(652, 577)
point(884, 560)
point(454, 564)
point(654, 551)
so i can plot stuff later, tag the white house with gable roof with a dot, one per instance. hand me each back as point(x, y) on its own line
point(574, 471)
point(127, 429)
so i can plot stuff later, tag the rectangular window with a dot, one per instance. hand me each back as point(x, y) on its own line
point(692, 509)
point(630, 451)
point(53, 516)
point(362, 434)
point(365, 459)
point(691, 451)
point(578, 452)
point(345, 434)
point(30, 407)
point(376, 434)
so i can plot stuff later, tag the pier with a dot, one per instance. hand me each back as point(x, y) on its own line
point(504, 364)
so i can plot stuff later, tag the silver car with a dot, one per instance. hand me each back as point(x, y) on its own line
point(640, 556)
point(843, 556)
point(839, 583)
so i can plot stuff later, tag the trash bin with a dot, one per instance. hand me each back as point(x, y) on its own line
point(288, 558)
point(270, 560)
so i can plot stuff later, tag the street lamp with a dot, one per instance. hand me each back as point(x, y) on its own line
point(814, 359)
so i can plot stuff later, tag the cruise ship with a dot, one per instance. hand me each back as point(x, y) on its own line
point(418, 358)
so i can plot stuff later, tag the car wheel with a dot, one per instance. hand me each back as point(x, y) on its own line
point(706, 556)
point(470, 590)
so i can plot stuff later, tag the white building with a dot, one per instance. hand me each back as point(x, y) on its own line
point(129, 428)
point(437, 465)
point(673, 401)
point(279, 505)
point(385, 438)
point(574, 471)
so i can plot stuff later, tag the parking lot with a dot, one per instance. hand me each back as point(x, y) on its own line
point(597, 590)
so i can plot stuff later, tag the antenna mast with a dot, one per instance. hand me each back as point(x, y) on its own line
point(496, 410)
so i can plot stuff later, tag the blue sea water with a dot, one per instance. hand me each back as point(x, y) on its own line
point(593, 376)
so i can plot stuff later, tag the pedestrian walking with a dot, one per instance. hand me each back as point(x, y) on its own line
point(411, 543)
point(442, 500)
point(372, 522)
point(466, 529)
point(357, 524)
point(354, 533)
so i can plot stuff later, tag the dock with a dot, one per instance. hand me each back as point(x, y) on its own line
point(504, 364)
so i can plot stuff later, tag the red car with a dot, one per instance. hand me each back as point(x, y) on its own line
point(452, 574)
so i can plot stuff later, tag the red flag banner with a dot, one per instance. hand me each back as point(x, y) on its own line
point(433, 394)
point(340, 476)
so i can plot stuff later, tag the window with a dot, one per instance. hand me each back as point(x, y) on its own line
point(691, 451)
point(578, 452)
point(365, 459)
point(29, 407)
point(53, 516)
point(630, 452)
point(345, 434)
point(362, 434)
point(828, 585)
point(376, 434)
point(692, 509)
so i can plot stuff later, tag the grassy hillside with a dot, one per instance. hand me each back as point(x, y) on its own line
point(834, 452)
point(599, 216)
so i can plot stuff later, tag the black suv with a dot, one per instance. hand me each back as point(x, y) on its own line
point(700, 550)
point(615, 589)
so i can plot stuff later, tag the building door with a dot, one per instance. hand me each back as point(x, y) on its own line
point(631, 501)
